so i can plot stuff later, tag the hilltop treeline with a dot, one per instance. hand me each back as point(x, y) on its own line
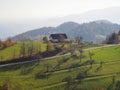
point(95, 31)
point(7, 43)
point(113, 38)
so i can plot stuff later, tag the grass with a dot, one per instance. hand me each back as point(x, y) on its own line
point(106, 54)
point(14, 51)
point(9, 52)
point(88, 45)
point(24, 75)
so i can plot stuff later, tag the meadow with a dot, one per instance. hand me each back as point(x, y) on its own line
point(14, 51)
point(50, 73)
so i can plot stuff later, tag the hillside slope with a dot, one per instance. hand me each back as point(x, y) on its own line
point(33, 76)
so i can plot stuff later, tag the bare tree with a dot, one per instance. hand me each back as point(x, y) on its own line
point(117, 85)
point(45, 39)
point(31, 50)
point(91, 63)
point(101, 63)
point(6, 85)
point(81, 54)
point(50, 46)
point(48, 66)
point(1, 45)
point(91, 55)
point(8, 42)
point(80, 76)
point(113, 79)
point(70, 80)
point(14, 53)
point(22, 50)
point(78, 40)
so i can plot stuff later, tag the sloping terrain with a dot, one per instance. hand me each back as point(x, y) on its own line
point(49, 74)
point(14, 51)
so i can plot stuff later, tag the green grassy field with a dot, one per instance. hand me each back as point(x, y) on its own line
point(106, 54)
point(8, 53)
point(26, 76)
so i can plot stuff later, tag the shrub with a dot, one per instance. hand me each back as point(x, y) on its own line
point(26, 71)
point(117, 85)
point(75, 65)
point(81, 75)
point(40, 75)
point(68, 79)
point(79, 89)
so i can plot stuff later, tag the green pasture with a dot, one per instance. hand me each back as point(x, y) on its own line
point(10, 52)
point(24, 76)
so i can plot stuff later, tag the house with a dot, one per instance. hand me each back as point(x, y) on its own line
point(60, 37)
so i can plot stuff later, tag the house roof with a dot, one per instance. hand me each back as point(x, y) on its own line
point(58, 36)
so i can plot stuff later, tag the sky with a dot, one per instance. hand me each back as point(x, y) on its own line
point(42, 9)
point(17, 16)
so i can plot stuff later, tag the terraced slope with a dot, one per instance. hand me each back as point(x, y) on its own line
point(49, 74)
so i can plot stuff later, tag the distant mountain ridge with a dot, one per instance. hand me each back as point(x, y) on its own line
point(95, 31)
point(11, 28)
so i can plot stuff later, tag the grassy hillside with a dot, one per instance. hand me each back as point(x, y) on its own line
point(14, 51)
point(49, 74)
point(9, 52)
point(106, 54)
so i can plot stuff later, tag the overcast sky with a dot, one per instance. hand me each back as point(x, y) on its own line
point(42, 9)
point(17, 16)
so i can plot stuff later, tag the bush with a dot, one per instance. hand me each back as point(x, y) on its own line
point(68, 79)
point(81, 75)
point(117, 85)
point(26, 71)
point(75, 65)
point(79, 89)
point(4, 44)
point(41, 75)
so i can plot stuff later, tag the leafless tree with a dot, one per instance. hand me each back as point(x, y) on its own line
point(14, 53)
point(48, 66)
point(81, 54)
point(78, 40)
point(22, 50)
point(91, 55)
point(50, 47)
